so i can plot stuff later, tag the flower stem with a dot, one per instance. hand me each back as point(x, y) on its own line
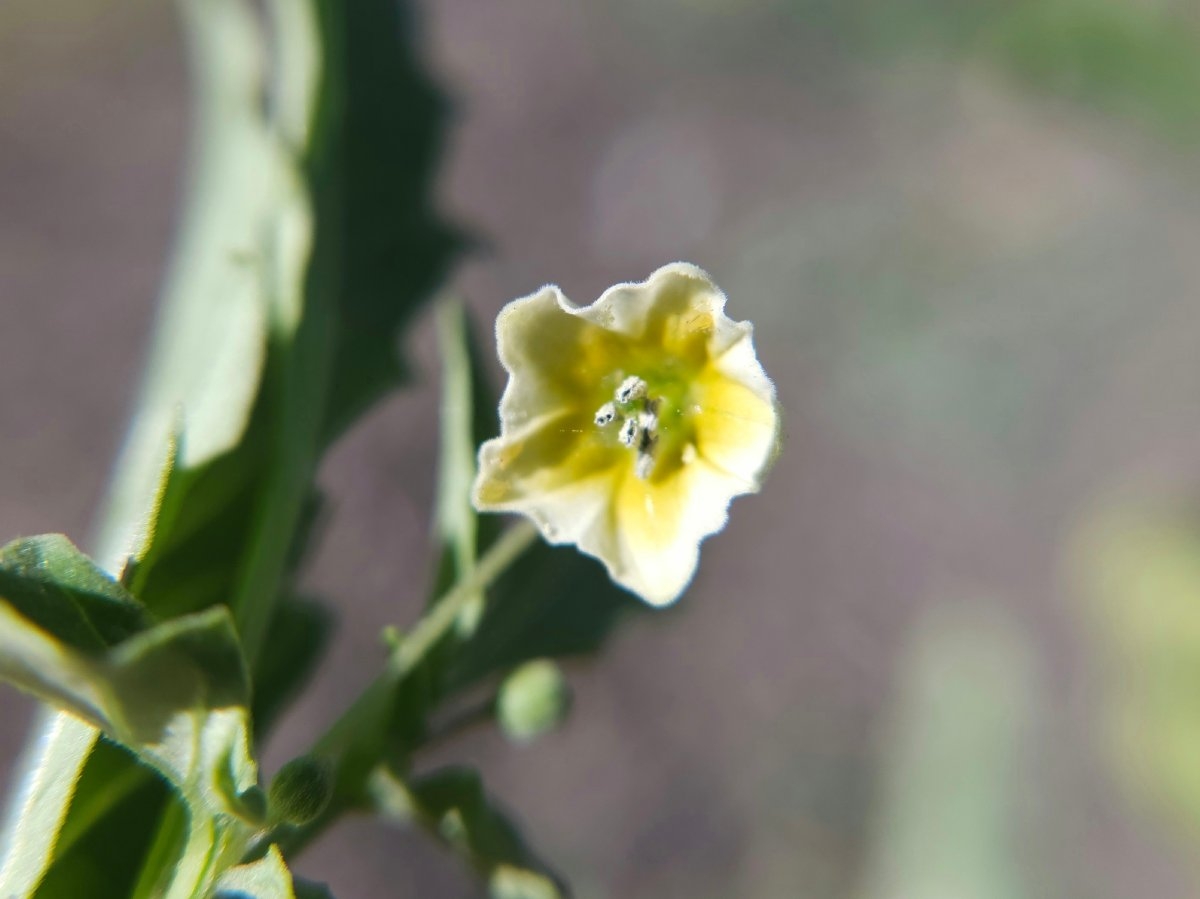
point(357, 724)
point(412, 648)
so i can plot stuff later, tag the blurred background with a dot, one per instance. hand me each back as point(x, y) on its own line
point(953, 651)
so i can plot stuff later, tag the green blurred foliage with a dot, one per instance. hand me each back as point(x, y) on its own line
point(452, 803)
point(947, 818)
point(1136, 568)
point(309, 239)
point(1140, 61)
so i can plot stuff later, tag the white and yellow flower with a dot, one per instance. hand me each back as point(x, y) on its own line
point(629, 425)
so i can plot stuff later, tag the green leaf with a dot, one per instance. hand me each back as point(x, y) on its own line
point(300, 632)
point(103, 861)
point(267, 878)
point(210, 346)
point(273, 337)
point(451, 803)
point(467, 419)
point(73, 636)
point(396, 248)
point(59, 589)
point(174, 694)
point(46, 779)
point(306, 889)
point(152, 692)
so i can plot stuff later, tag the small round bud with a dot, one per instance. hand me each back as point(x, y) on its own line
point(533, 700)
point(301, 790)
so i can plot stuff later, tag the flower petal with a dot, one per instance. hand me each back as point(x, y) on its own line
point(547, 454)
point(737, 424)
point(553, 359)
point(659, 525)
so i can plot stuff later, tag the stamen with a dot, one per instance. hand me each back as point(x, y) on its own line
point(632, 388)
point(646, 444)
point(644, 465)
point(630, 430)
point(606, 414)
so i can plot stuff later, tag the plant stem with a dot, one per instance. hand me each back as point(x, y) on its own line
point(363, 718)
point(506, 550)
point(493, 563)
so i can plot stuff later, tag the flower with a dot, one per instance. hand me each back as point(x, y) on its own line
point(629, 425)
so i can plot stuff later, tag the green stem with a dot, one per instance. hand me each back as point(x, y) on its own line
point(363, 717)
point(506, 550)
point(493, 563)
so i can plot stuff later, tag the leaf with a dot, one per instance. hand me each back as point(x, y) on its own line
point(306, 889)
point(267, 878)
point(46, 779)
point(146, 692)
point(175, 694)
point(300, 632)
point(210, 345)
point(59, 589)
point(103, 862)
point(265, 329)
point(451, 803)
point(465, 395)
point(396, 247)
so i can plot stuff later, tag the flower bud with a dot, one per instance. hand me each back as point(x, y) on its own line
point(533, 700)
point(301, 790)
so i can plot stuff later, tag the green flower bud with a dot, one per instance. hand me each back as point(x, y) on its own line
point(533, 700)
point(301, 790)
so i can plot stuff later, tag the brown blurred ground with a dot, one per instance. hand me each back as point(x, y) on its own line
point(978, 306)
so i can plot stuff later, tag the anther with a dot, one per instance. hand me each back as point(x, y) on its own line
point(606, 414)
point(631, 389)
point(630, 430)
